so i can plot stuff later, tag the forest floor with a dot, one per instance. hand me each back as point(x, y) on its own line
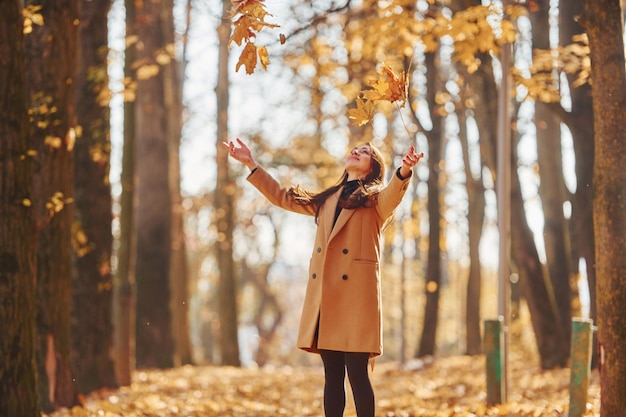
point(445, 387)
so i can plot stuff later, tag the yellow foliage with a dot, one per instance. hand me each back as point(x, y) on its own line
point(251, 20)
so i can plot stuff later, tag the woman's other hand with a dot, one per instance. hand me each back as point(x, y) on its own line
point(241, 153)
point(409, 160)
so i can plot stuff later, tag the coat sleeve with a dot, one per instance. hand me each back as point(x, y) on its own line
point(392, 194)
point(276, 194)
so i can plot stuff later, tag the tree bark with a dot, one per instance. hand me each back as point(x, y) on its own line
point(154, 342)
point(124, 288)
point(18, 384)
point(433, 262)
point(535, 284)
point(172, 88)
point(50, 66)
point(92, 328)
point(580, 123)
point(552, 190)
point(225, 208)
point(603, 21)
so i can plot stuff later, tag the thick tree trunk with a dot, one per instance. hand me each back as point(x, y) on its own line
point(225, 208)
point(92, 328)
point(18, 384)
point(51, 66)
point(603, 21)
point(154, 343)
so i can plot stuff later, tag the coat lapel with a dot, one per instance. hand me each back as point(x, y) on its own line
point(341, 222)
point(329, 214)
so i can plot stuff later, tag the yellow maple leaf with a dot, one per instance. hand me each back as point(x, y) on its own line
point(391, 87)
point(363, 113)
point(263, 57)
point(248, 58)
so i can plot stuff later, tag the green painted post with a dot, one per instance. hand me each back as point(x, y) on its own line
point(580, 365)
point(494, 345)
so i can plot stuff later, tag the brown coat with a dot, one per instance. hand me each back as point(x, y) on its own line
point(343, 290)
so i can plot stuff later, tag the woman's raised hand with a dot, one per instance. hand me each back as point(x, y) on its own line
point(241, 153)
point(409, 160)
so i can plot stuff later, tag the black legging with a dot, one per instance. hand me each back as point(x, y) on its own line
point(335, 365)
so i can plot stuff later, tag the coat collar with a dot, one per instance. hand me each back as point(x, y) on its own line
point(331, 204)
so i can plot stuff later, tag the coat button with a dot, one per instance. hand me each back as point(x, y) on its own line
point(319, 249)
point(344, 277)
point(314, 275)
point(345, 251)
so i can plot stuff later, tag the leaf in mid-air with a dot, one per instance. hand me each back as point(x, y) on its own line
point(363, 113)
point(247, 58)
point(263, 57)
point(391, 87)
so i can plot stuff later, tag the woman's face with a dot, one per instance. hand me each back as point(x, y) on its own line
point(359, 162)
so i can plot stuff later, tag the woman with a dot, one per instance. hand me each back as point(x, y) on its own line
point(342, 317)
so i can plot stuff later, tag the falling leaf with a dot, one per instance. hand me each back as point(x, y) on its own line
point(263, 57)
point(363, 113)
point(247, 58)
point(390, 86)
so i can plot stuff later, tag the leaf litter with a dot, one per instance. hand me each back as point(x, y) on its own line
point(444, 387)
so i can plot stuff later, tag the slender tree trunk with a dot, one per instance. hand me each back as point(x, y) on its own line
point(50, 66)
point(475, 219)
point(92, 328)
point(18, 384)
point(535, 284)
point(172, 89)
point(552, 188)
point(580, 123)
point(433, 267)
point(125, 284)
point(154, 342)
point(603, 21)
point(225, 208)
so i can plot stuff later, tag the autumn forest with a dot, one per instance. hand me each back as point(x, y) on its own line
point(141, 274)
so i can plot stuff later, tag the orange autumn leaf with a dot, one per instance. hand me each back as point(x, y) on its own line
point(250, 22)
point(263, 57)
point(248, 58)
point(391, 86)
point(363, 113)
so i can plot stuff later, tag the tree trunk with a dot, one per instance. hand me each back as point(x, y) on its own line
point(18, 384)
point(92, 328)
point(603, 21)
point(51, 66)
point(580, 123)
point(172, 88)
point(433, 266)
point(552, 188)
point(154, 343)
point(475, 220)
point(225, 208)
point(125, 284)
point(535, 284)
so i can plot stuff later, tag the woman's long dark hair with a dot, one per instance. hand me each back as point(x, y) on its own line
point(364, 196)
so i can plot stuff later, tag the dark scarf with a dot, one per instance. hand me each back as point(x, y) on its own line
point(346, 192)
